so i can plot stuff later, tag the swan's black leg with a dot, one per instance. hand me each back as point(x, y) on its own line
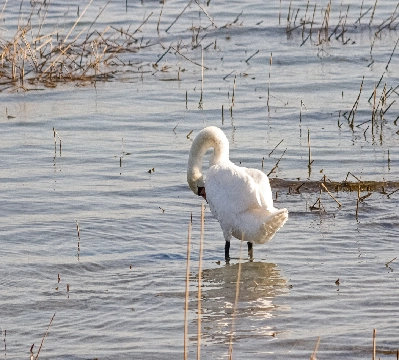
point(250, 250)
point(227, 251)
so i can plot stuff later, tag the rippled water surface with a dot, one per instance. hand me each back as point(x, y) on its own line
point(121, 175)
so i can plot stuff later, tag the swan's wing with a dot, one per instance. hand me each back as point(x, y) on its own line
point(241, 200)
point(231, 190)
point(263, 187)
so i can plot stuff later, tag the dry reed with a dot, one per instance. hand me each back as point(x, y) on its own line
point(44, 336)
point(199, 284)
point(313, 356)
point(47, 59)
point(187, 292)
point(268, 87)
point(78, 231)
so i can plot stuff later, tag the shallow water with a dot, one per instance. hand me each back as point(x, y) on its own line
point(127, 281)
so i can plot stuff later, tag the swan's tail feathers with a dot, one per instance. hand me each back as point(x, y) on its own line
point(270, 225)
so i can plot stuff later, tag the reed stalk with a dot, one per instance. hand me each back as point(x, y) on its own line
point(332, 196)
point(44, 336)
point(372, 14)
point(310, 161)
point(187, 292)
point(313, 356)
point(234, 89)
point(276, 147)
point(199, 284)
point(268, 87)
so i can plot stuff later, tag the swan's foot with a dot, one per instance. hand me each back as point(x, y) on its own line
point(227, 251)
point(250, 250)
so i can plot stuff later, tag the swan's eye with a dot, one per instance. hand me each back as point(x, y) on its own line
point(200, 190)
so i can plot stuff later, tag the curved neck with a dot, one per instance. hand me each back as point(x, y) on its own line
point(210, 137)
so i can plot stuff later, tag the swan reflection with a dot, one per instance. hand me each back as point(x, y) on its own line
point(260, 284)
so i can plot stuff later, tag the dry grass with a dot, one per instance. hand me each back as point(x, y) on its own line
point(32, 58)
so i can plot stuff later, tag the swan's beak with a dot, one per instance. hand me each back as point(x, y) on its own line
point(201, 192)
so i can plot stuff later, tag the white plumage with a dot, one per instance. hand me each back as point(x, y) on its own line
point(239, 198)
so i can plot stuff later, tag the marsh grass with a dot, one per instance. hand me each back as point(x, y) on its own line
point(31, 57)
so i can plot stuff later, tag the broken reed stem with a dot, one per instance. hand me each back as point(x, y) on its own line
point(177, 18)
point(160, 14)
point(275, 166)
point(78, 230)
point(374, 339)
point(234, 89)
point(332, 196)
point(313, 356)
point(355, 105)
point(275, 147)
point(252, 56)
point(311, 24)
point(76, 22)
point(373, 112)
point(357, 202)
point(349, 173)
point(203, 10)
point(202, 72)
point(235, 303)
point(55, 141)
point(268, 87)
point(310, 161)
point(44, 336)
point(199, 284)
point(187, 292)
point(372, 14)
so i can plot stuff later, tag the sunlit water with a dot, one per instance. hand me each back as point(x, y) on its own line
point(126, 282)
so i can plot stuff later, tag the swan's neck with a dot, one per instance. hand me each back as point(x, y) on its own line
point(210, 137)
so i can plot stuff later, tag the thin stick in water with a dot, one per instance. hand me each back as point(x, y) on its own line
point(325, 188)
point(268, 87)
point(252, 56)
point(189, 3)
point(310, 161)
point(187, 292)
point(44, 336)
point(313, 356)
point(199, 284)
point(275, 147)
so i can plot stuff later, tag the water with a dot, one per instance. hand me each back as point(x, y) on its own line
point(127, 281)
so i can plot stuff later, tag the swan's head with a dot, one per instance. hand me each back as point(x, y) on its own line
point(195, 182)
point(210, 137)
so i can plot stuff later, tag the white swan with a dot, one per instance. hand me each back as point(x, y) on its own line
point(239, 198)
